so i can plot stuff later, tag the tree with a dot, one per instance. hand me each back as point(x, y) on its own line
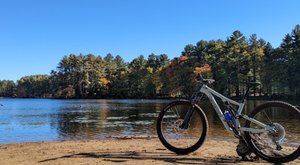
point(33, 86)
point(232, 60)
point(215, 58)
point(293, 54)
point(118, 87)
point(237, 60)
point(267, 71)
point(256, 52)
point(7, 88)
point(137, 77)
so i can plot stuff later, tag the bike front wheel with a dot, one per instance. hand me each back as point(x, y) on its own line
point(173, 136)
point(283, 143)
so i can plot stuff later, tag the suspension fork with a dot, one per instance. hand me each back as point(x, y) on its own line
point(190, 111)
point(187, 118)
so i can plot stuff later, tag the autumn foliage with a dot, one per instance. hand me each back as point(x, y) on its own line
point(183, 58)
point(203, 70)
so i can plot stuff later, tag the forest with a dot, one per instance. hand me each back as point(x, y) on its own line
point(232, 61)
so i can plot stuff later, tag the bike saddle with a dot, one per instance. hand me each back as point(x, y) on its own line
point(205, 81)
point(208, 81)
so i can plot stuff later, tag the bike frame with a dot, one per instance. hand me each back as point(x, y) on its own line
point(211, 94)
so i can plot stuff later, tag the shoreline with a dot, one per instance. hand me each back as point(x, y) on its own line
point(122, 150)
point(266, 98)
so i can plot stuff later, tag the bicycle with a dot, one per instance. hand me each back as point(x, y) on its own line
point(270, 130)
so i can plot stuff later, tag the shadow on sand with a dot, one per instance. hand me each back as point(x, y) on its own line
point(121, 157)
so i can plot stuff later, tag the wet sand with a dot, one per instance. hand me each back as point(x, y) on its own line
point(122, 150)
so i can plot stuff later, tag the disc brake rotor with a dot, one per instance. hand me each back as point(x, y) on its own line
point(178, 123)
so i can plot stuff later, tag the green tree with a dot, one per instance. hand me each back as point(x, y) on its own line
point(214, 56)
point(118, 87)
point(236, 60)
point(268, 70)
point(293, 53)
point(7, 88)
point(256, 52)
point(137, 77)
point(33, 86)
point(232, 60)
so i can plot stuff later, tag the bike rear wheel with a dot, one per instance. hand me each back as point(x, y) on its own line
point(282, 145)
point(181, 140)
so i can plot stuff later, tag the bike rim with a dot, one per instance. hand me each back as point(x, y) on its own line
point(176, 136)
point(285, 140)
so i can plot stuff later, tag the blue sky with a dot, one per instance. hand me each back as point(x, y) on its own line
point(36, 34)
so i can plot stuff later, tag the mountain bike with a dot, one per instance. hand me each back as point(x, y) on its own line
point(271, 130)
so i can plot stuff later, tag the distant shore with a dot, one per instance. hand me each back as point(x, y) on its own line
point(124, 150)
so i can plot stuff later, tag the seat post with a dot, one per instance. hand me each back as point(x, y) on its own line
point(246, 94)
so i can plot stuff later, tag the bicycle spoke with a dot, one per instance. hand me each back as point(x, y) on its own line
point(267, 117)
point(282, 144)
point(172, 131)
point(176, 112)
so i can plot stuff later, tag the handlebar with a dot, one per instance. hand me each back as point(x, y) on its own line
point(200, 78)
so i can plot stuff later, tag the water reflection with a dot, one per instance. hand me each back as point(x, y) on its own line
point(23, 120)
point(90, 119)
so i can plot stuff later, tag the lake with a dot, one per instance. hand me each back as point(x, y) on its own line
point(33, 120)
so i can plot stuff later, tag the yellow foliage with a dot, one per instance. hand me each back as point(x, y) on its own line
point(260, 51)
point(149, 70)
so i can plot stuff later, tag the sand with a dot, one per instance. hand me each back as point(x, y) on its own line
point(133, 150)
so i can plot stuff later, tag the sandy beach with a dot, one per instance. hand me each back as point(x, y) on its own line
point(118, 151)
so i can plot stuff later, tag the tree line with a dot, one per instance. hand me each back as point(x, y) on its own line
point(233, 61)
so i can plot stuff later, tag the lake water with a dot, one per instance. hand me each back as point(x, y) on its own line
point(32, 120)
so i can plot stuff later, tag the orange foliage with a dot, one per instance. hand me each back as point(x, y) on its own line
point(204, 69)
point(183, 58)
point(104, 81)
